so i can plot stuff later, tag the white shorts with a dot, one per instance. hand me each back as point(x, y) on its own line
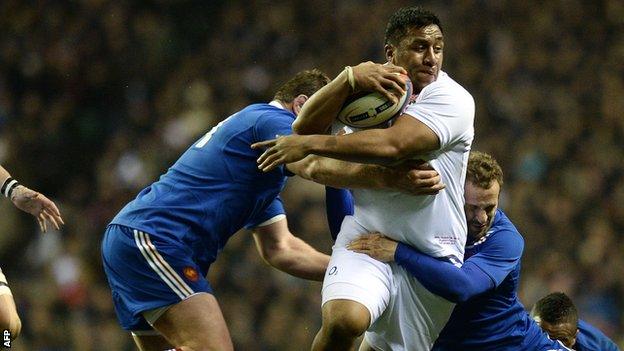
point(404, 315)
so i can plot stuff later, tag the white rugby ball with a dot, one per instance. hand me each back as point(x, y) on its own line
point(372, 109)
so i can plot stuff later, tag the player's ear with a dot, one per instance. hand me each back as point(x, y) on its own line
point(389, 50)
point(575, 336)
point(298, 103)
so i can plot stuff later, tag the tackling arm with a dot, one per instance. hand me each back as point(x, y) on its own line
point(407, 138)
point(282, 250)
point(440, 277)
point(443, 278)
point(412, 178)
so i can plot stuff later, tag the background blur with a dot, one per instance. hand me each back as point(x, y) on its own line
point(98, 97)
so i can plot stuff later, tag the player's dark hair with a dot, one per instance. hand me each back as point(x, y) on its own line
point(408, 17)
point(483, 170)
point(556, 308)
point(305, 82)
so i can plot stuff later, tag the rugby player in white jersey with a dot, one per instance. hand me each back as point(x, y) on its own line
point(359, 293)
point(45, 211)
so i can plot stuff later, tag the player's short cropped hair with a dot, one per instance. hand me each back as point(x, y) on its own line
point(408, 17)
point(305, 82)
point(483, 170)
point(556, 308)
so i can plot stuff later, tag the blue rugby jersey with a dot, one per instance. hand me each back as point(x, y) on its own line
point(215, 188)
point(590, 338)
point(494, 319)
point(489, 315)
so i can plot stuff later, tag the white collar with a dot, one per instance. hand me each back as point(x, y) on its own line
point(277, 104)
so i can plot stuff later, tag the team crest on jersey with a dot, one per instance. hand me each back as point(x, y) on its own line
point(190, 273)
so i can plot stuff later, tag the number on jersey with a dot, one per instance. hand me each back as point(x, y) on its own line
point(206, 138)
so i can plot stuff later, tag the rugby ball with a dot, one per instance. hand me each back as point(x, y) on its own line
point(372, 109)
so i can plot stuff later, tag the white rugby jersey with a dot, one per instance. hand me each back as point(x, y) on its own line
point(436, 225)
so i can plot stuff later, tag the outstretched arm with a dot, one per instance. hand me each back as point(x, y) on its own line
point(30, 201)
point(456, 284)
point(321, 109)
point(416, 178)
point(406, 138)
point(284, 251)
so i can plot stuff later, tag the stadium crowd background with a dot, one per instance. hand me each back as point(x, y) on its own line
point(98, 97)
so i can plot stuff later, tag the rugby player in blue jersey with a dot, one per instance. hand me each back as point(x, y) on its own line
point(557, 315)
point(488, 314)
point(158, 249)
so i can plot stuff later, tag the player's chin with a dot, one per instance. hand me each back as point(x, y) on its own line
point(423, 80)
point(475, 231)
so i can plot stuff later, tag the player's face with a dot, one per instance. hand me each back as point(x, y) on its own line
point(480, 208)
point(564, 332)
point(420, 52)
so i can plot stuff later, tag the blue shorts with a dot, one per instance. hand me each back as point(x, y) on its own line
point(147, 272)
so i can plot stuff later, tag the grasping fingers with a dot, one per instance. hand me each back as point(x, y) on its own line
point(266, 143)
point(374, 245)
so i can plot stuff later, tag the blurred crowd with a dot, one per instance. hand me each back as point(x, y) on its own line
point(98, 97)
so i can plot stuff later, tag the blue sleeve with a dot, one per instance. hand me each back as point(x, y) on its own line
point(500, 254)
point(338, 204)
point(480, 273)
point(436, 275)
point(591, 338)
point(275, 208)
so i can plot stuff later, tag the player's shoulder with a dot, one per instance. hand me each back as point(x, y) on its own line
point(270, 111)
point(504, 231)
point(445, 86)
point(591, 338)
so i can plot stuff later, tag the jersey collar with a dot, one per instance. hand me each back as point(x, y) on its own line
point(487, 234)
point(277, 104)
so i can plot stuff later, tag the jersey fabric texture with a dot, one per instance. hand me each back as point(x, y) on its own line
point(590, 338)
point(435, 225)
point(213, 190)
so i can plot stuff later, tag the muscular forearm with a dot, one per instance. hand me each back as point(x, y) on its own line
point(4, 175)
point(368, 146)
point(299, 259)
point(320, 111)
point(342, 174)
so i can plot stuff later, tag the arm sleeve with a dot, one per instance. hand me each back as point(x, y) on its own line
point(448, 112)
point(338, 204)
point(480, 273)
point(274, 212)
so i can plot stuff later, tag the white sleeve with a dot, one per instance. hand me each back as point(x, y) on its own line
point(447, 110)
